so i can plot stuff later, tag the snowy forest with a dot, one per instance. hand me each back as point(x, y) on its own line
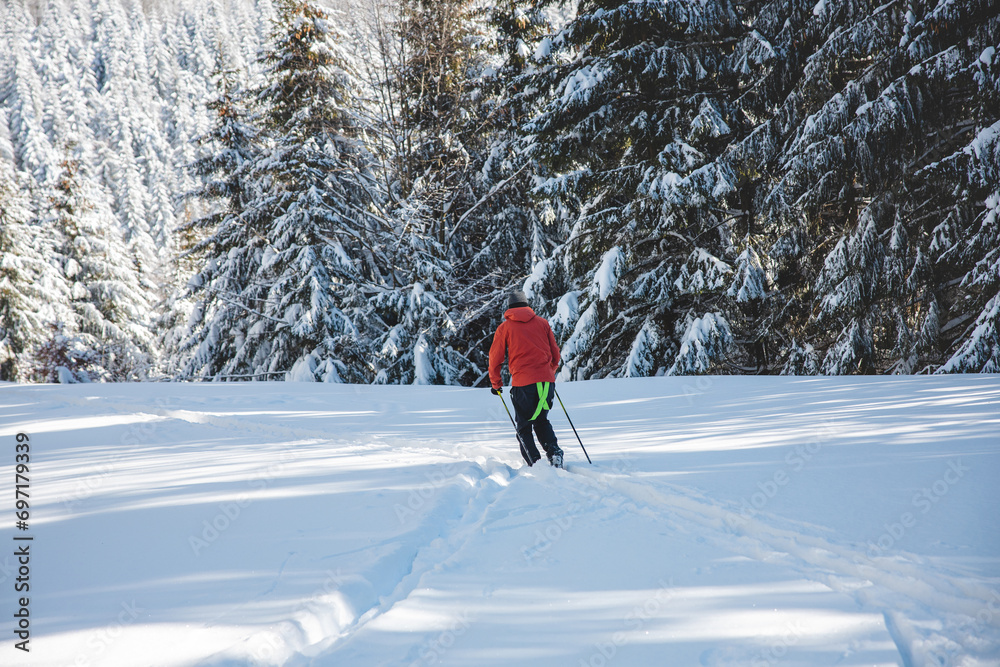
point(347, 191)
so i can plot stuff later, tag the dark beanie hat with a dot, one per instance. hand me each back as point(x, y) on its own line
point(517, 299)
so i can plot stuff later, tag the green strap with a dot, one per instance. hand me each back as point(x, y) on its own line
point(543, 399)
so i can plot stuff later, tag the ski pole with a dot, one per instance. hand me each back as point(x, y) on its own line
point(573, 427)
point(519, 443)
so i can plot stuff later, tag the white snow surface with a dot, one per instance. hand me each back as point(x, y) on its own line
point(724, 521)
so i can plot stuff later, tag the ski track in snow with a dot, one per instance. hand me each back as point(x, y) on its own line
point(906, 589)
point(486, 479)
point(881, 582)
point(885, 583)
point(842, 568)
point(895, 580)
point(429, 557)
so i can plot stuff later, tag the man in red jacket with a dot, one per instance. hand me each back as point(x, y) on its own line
point(529, 345)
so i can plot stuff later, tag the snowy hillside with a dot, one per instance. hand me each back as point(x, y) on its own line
point(725, 521)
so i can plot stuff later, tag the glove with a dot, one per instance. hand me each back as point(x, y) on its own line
point(496, 392)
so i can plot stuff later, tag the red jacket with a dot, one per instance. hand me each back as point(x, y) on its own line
point(529, 343)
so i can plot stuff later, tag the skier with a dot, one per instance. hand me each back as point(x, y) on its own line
point(529, 345)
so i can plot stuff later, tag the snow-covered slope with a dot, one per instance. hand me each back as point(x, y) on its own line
point(724, 521)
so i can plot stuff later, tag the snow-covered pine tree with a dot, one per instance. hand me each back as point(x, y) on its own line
point(306, 303)
point(67, 76)
point(460, 278)
point(221, 249)
point(768, 298)
point(629, 118)
point(28, 283)
point(124, 90)
point(978, 346)
point(749, 308)
point(510, 233)
point(180, 60)
point(853, 228)
point(110, 306)
point(123, 119)
point(503, 235)
point(23, 94)
point(856, 108)
point(419, 342)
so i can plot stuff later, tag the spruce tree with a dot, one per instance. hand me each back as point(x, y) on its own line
point(629, 117)
point(28, 284)
point(977, 349)
point(23, 93)
point(222, 248)
point(109, 303)
point(432, 83)
point(504, 235)
point(850, 150)
point(305, 272)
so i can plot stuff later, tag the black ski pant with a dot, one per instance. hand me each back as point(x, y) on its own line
point(530, 414)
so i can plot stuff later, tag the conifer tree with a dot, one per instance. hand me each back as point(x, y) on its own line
point(221, 249)
point(304, 274)
point(850, 151)
point(27, 288)
point(67, 77)
point(978, 348)
point(503, 236)
point(437, 61)
point(681, 187)
point(629, 117)
point(110, 306)
point(22, 92)
point(129, 122)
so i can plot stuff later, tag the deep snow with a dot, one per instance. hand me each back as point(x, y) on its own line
point(725, 521)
